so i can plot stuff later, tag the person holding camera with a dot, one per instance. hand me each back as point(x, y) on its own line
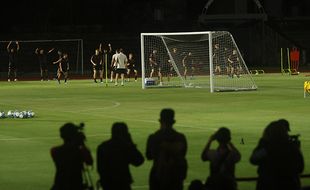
point(222, 161)
point(70, 158)
point(278, 157)
point(114, 157)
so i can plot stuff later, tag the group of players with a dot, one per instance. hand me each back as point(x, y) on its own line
point(61, 61)
point(230, 59)
point(226, 62)
point(185, 59)
point(120, 64)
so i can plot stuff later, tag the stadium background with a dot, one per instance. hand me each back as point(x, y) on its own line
point(280, 23)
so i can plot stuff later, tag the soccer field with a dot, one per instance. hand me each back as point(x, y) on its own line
point(25, 161)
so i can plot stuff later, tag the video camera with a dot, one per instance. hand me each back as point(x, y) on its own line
point(80, 136)
point(295, 139)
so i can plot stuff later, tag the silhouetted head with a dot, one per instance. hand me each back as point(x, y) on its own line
point(167, 117)
point(275, 132)
point(223, 135)
point(285, 124)
point(68, 132)
point(119, 130)
point(41, 51)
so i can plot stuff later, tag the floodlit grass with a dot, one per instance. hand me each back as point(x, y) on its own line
point(25, 161)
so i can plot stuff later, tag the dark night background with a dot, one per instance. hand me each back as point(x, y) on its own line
point(280, 23)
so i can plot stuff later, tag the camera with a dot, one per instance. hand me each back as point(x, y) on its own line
point(80, 136)
point(295, 139)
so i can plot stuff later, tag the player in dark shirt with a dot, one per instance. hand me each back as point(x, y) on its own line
point(131, 66)
point(234, 64)
point(13, 60)
point(96, 61)
point(42, 59)
point(155, 65)
point(63, 67)
point(216, 59)
point(177, 61)
point(188, 63)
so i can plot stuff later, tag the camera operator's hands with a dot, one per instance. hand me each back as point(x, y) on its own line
point(212, 137)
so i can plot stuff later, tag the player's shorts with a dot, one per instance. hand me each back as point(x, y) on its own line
point(154, 67)
point(12, 66)
point(121, 71)
point(97, 67)
point(43, 67)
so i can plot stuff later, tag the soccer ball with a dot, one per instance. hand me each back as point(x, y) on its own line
point(25, 113)
point(21, 115)
point(10, 114)
point(30, 114)
point(16, 114)
point(2, 114)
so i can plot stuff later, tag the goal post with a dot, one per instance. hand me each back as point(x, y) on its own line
point(28, 64)
point(208, 59)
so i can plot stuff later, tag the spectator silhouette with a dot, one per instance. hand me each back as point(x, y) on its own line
point(167, 148)
point(278, 157)
point(70, 157)
point(222, 161)
point(114, 157)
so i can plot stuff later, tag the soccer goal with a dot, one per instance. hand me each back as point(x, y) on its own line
point(28, 64)
point(194, 59)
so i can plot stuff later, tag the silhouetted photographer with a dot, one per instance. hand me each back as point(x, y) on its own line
point(278, 157)
point(222, 161)
point(70, 158)
point(114, 157)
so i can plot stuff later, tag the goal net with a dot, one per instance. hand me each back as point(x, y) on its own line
point(194, 59)
point(28, 60)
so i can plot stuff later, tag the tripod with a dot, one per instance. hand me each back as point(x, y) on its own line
point(87, 179)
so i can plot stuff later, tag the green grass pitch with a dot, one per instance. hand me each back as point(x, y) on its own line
point(25, 161)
